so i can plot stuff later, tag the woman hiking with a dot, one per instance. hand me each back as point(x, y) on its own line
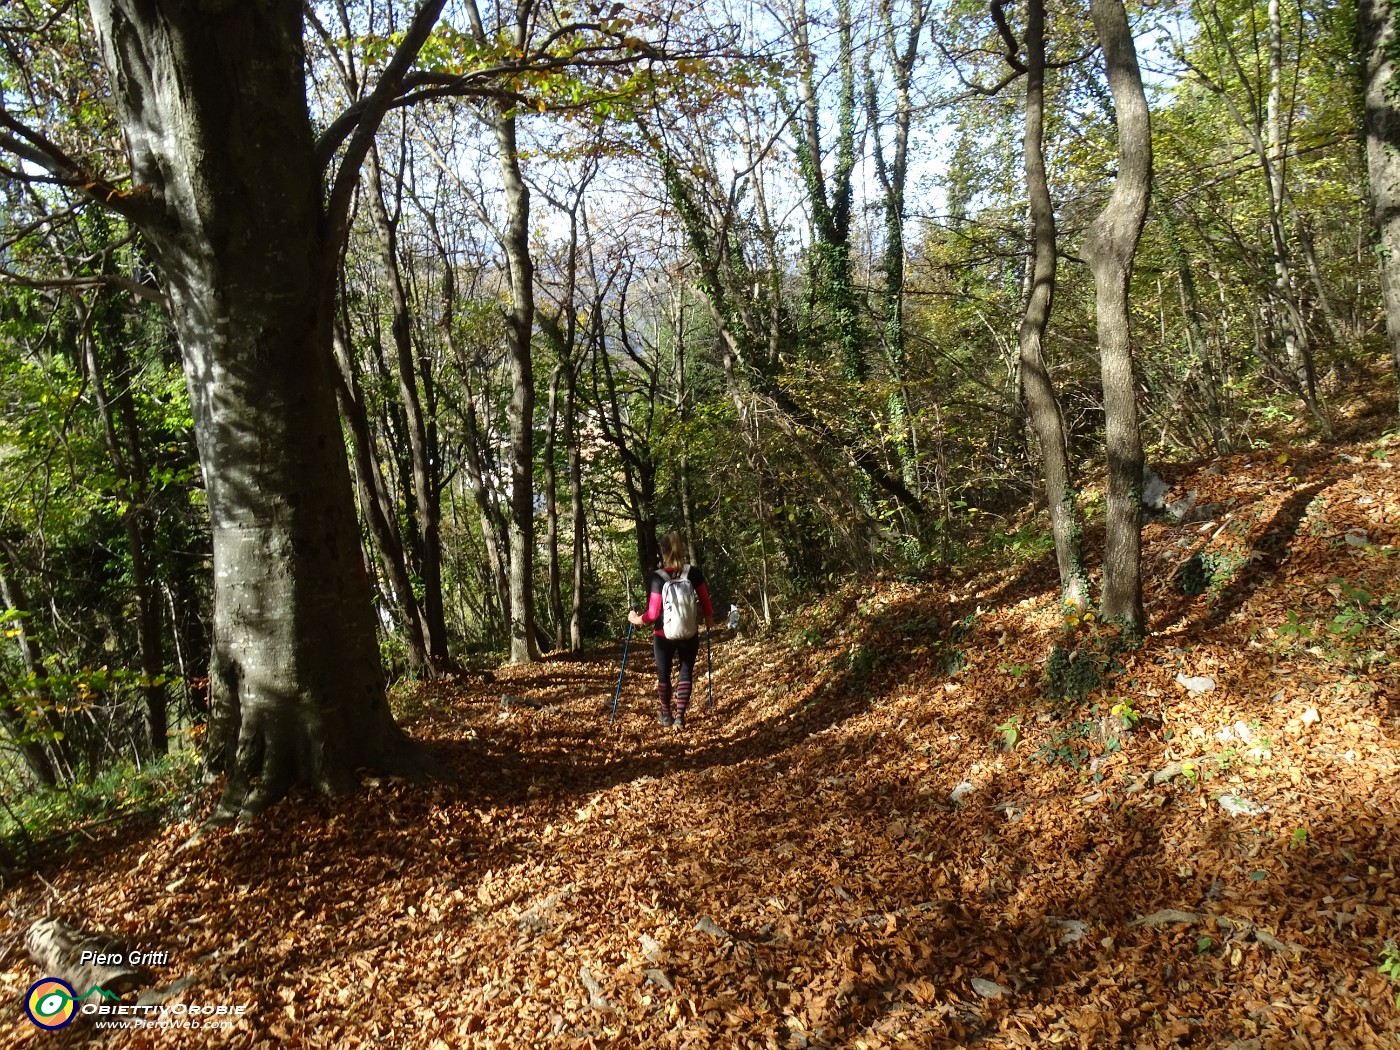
point(677, 603)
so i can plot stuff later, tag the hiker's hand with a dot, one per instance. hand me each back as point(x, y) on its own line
point(635, 618)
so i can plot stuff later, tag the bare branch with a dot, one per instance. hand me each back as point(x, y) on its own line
point(370, 113)
point(149, 293)
point(28, 145)
point(1013, 46)
point(973, 89)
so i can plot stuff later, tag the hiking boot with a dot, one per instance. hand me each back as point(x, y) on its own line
point(679, 721)
point(666, 720)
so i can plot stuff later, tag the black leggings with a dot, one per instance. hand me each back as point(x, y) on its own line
point(667, 652)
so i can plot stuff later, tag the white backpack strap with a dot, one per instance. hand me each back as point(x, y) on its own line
point(685, 573)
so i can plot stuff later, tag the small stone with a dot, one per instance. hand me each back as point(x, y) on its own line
point(1154, 489)
point(707, 925)
point(1195, 683)
point(651, 947)
point(1163, 917)
point(988, 989)
point(1240, 806)
point(1074, 929)
point(657, 977)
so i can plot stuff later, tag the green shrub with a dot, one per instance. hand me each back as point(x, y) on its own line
point(51, 819)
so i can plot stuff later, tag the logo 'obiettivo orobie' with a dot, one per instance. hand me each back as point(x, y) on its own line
point(51, 1003)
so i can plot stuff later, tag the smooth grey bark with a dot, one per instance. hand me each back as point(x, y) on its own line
point(1042, 404)
point(520, 319)
point(229, 194)
point(551, 505)
point(580, 524)
point(1109, 248)
point(1377, 29)
point(519, 328)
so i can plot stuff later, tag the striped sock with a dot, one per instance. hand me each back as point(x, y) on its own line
point(663, 696)
point(682, 697)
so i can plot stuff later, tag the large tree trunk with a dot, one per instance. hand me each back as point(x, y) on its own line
point(1041, 402)
point(1109, 248)
point(1377, 26)
point(213, 101)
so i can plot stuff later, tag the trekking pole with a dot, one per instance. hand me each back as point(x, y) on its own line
point(709, 674)
point(618, 691)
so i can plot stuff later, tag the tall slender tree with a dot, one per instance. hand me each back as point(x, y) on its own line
point(426, 492)
point(1109, 248)
point(1041, 402)
point(520, 321)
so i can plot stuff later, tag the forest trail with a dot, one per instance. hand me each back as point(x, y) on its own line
point(884, 834)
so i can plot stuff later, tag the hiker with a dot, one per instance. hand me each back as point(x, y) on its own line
point(677, 602)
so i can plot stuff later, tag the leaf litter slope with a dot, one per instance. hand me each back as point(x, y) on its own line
point(793, 870)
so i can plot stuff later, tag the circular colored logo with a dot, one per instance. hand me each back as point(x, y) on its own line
point(51, 1003)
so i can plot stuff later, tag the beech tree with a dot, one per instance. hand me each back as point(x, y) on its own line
point(1041, 402)
point(1109, 247)
point(524, 647)
point(228, 189)
point(245, 214)
point(1379, 40)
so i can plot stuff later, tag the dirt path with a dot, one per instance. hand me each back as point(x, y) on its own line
point(795, 870)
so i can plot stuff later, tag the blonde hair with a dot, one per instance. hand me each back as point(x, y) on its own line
point(673, 548)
